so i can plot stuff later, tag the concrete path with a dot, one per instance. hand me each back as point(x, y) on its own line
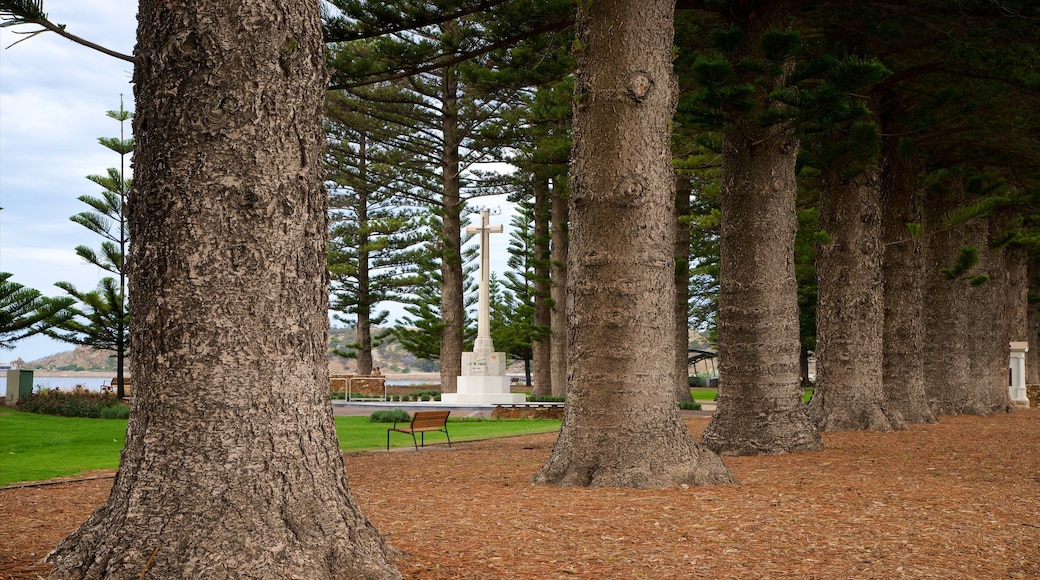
point(365, 408)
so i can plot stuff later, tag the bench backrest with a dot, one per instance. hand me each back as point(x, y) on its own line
point(423, 419)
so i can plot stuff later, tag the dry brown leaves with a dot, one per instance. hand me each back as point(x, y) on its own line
point(960, 499)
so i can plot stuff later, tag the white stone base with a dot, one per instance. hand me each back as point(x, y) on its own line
point(492, 390)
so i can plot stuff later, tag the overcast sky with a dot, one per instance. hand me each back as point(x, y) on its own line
point(53, 99)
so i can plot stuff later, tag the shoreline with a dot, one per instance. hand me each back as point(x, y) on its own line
point(417, 377)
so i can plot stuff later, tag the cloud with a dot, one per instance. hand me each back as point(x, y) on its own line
point(54, 96)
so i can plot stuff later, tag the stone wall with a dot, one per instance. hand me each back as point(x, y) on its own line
point(528, 412)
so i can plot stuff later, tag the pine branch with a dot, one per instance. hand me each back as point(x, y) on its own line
point(19, 12)
point(443, 60)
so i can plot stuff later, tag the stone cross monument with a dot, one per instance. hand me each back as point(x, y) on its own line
point(483, 344)
point(483, 379)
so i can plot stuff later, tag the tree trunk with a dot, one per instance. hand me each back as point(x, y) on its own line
point(1016, 259)
point(902, 274)
point(987, 391)
point(1033, 322)
point(946, 360)
point(364, 302)
point(541, 346)
point(760, 408)
point(452, 305)
point(682, 292)
point(231, 466)
point(621, 426)
point(849, 312)
point(759, 404)
point(558, 279)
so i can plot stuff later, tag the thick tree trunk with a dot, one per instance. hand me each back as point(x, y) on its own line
point(903, 280)
point(1033, 321)
point(622, 427)
point(946, 360)
point(966, 366)
point(452, 301)
point(231, 467)
point(1016, 259)
point(760, 408)
point(849, 311)
point(988, 338)
point(558, 277)
point(682, 292)
point(541, 347)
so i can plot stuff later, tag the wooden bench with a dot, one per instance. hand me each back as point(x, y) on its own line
point(422, 421)
point(111, 386)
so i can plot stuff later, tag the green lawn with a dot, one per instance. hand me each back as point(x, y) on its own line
point(709, 394)
point(35, 447)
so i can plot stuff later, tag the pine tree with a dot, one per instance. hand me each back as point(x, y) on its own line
point(101, 319)
point(458, 107)
point(374, 234)
point(24, 312)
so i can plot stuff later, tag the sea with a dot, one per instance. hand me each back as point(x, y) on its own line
point(95, 383)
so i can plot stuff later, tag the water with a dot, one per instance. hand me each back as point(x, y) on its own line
point(94, 383)
point(63, 383)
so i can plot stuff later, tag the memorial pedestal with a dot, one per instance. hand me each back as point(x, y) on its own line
point(483, 381)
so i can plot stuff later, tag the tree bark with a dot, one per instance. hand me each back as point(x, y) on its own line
point(1016, 259)
point(452, 301)
point(966, 364)
point(987, 391)
point(621, 426)
point(903, 280)
point(558, 277)
point(541, 348)
point(849, 312)
point(1033, 322)
point(231, 466)
point(364, 301)
point(759, 406)
point(946, 361)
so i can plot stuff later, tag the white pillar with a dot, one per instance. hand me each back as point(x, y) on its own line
point(1017, 389)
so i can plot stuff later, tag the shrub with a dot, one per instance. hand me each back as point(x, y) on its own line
point(545, 399)
point(76, 403)
point(425, 395)
point(390, 416)
point(116, 412)
point(337, 395)
point(687, 406)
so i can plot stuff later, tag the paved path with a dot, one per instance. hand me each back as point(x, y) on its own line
point(341, 407)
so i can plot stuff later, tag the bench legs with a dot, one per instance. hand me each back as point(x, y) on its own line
point(422, 438)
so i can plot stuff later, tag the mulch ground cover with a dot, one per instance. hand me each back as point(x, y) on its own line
point(958, 499)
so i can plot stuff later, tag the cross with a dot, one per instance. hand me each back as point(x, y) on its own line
point(483, 343)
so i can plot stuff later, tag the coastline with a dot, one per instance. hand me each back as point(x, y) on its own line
point(43, 373)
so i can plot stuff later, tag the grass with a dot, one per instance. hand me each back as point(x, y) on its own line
point(37, 447)
point(357, 436)
point(709, 394)
point(34, 447)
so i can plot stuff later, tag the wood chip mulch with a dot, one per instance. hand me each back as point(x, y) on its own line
point(958, 499)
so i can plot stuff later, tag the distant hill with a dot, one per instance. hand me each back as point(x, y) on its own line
point(80, 358)
point(390, 358)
